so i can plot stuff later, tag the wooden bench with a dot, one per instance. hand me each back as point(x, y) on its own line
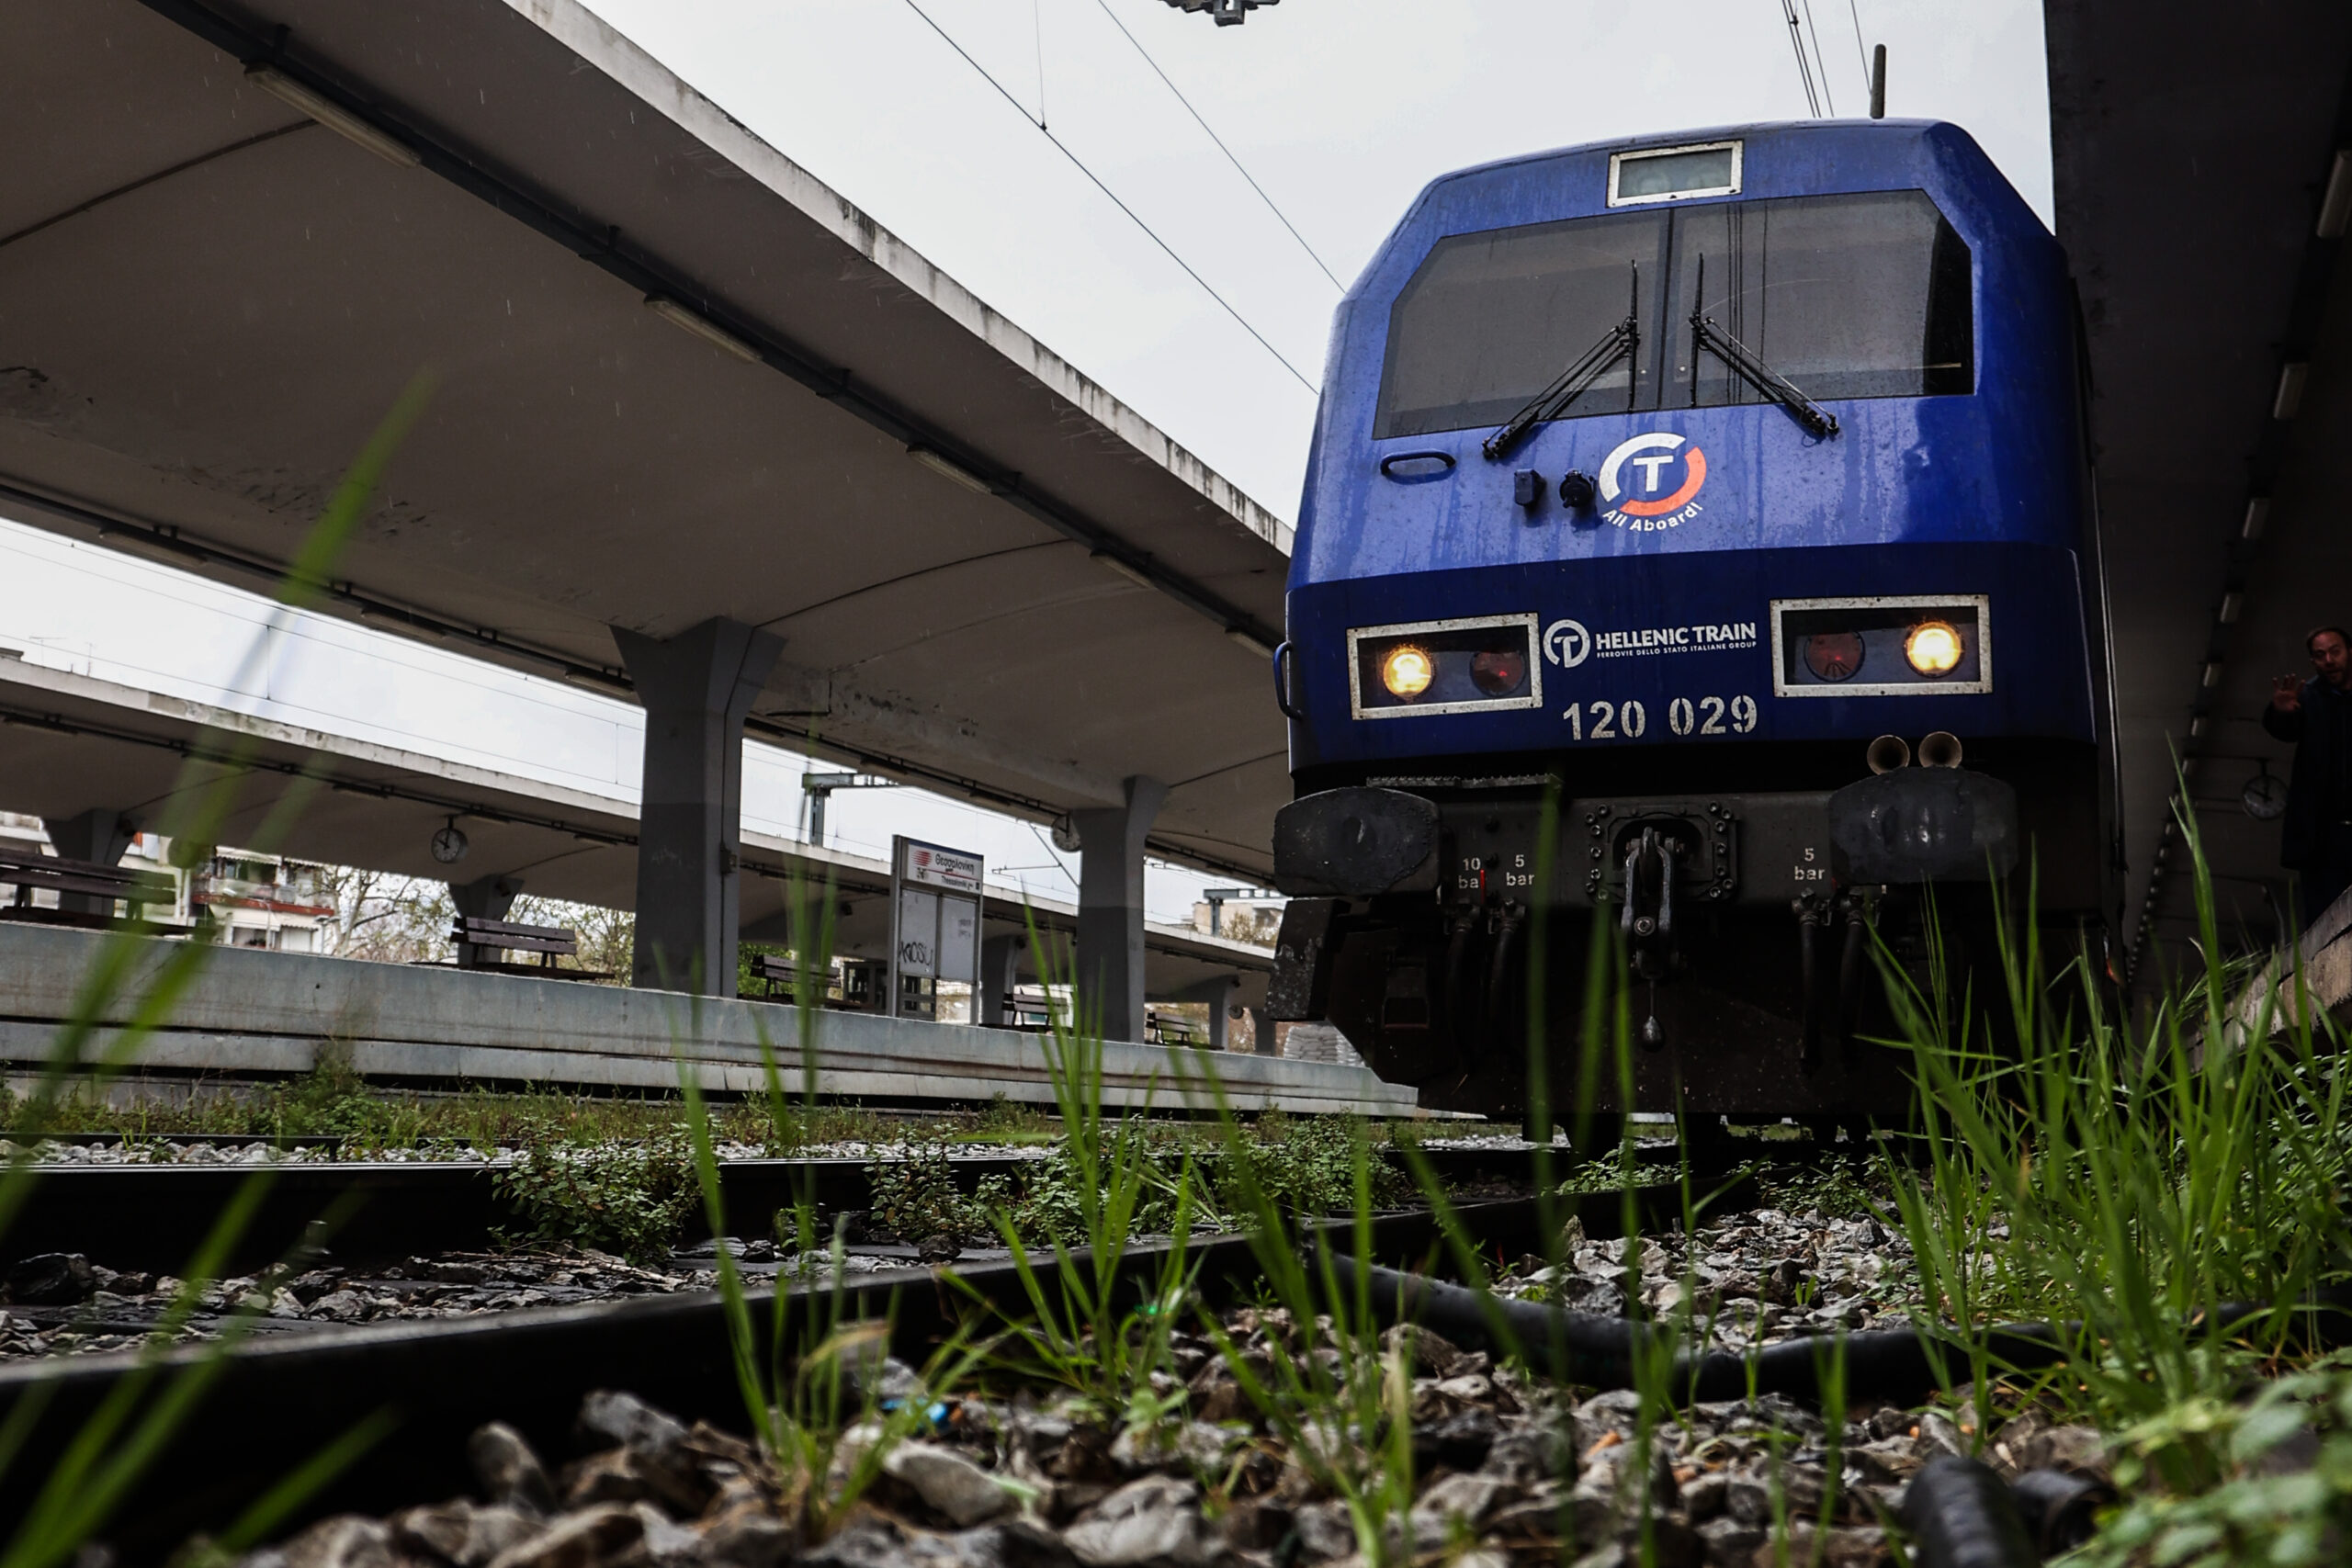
point(31, 869)
point(550, 942)
point(775, 973)
point(772, 970)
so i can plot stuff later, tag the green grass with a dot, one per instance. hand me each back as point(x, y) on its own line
point(334, 1100)
point(631, 1199)
point(2122, 1174)
point(805, 1382)
point(1340, 1402)
point(2138, 1191)
point(84, 1479)
point(2284, 1496)
point(1083, 1333)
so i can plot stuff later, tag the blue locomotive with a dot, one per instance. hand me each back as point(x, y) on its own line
point(1729, 490)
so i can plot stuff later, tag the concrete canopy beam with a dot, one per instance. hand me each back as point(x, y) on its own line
point(696, 688)
point(682, 379)
point(1110, 908)
point(67, 740)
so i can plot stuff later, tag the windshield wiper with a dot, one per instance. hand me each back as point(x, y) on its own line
point(1750, 366)
point(1623, 341)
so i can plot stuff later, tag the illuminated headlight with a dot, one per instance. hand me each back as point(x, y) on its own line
point(1933, 649)
point(1883, 645)
point(1407, 672)
point(1438, 667)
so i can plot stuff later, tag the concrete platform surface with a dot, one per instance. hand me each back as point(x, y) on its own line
point(253, 1013)
point(2316, 972)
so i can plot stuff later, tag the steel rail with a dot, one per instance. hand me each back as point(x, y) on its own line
point(152, 1216)
point(277, 1402)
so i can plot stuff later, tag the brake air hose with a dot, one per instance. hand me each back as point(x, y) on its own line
point(1960, 1515)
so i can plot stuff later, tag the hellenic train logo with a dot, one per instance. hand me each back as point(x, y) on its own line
point(1661, 491)
point(1566, 643)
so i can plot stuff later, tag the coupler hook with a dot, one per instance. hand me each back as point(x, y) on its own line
point(1647, 920)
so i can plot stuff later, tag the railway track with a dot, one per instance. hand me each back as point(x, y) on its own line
point(152, 1216)
point(277, 1402)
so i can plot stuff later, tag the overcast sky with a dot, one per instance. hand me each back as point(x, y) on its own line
point(1341, 110)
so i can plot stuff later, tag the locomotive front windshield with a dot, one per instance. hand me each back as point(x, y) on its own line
point(1851, 296)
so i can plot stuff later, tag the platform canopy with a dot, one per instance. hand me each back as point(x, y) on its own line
point(2194, 157)
point(675, 377)
point(68, 741)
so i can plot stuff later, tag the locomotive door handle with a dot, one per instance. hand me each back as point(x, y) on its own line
point(1282, 684)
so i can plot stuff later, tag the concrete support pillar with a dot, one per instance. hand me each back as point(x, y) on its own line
point(97, 837)
point(999, 972)
point(1110, 908)
point(1261, 1032)
point(1218, 994)
point(485, 898)
point(698, 688)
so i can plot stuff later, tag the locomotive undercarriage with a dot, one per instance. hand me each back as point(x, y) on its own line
point(1745, 929)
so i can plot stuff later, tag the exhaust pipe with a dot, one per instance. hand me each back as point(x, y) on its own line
point(1940, 750)
point(1888, 753)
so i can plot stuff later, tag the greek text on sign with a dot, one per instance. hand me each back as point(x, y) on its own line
point(940, 868)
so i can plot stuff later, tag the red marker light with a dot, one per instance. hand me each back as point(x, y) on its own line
point(1833, 655)
point(1499, 671)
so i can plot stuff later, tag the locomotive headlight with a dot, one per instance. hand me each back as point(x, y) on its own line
point(1933, 647)
point(1407, 672)
point(1882, 646)
point(1423, 670)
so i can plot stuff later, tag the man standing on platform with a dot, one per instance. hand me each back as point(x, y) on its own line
point(2315, 838)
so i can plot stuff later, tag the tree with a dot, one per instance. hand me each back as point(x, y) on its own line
point(607, 937)
point(385, 918)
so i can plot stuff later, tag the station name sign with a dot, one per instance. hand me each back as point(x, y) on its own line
point(933, 865)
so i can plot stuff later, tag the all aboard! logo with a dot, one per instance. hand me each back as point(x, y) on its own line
point(1662, 491)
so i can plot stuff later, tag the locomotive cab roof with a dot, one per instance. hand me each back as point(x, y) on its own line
point(1777, 158)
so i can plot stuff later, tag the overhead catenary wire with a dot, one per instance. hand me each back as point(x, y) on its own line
point(1861, 50)
point(1096, 180)
point(1796, 41)
point(1821, 66)
point(1037, 36)
point(1221, 147)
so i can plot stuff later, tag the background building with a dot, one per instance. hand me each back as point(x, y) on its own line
point(236, 896)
